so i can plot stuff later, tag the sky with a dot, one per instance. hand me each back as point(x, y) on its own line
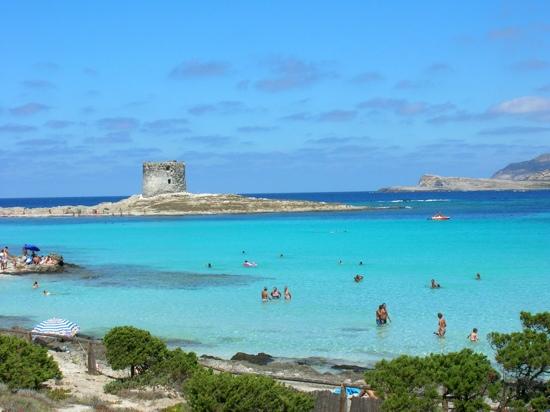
point(285, 96)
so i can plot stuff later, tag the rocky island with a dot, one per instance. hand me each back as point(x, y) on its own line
point(533, 174)
point(179, 204)
point(164, 193)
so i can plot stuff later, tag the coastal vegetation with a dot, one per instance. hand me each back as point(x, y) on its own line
point(24, 365)
point(152, 364)
point(468, 380)
point(464, 381)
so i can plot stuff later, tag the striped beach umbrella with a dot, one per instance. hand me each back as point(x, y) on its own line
point(56, 326)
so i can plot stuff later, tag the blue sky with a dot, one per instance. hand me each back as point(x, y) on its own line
point(279, 96)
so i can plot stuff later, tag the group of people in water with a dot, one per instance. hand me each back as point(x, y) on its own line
point(275, 294)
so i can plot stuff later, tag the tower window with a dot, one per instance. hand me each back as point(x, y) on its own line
point(169, 181)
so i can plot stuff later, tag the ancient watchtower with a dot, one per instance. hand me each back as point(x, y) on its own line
point(163, 177)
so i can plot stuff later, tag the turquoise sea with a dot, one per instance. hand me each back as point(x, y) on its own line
point(152, 273)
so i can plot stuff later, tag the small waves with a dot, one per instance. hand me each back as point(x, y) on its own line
point(414, 200)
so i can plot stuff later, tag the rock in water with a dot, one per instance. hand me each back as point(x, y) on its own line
point(259, 359)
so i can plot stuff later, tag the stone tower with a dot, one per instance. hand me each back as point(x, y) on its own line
point(163, 177)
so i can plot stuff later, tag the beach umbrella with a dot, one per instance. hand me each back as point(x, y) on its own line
point(32, 248)
point(56, 326)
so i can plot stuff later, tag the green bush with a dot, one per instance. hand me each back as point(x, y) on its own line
point(414, 383)
point(209, 392)
point(24, 365)
point(406, 383)
point(58, 394)
point(171, 371)
point(129, 347)
point(525, 361)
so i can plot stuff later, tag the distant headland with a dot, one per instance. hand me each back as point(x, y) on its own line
point(164, 193)
point(532, 174)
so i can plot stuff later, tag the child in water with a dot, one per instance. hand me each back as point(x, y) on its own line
point(473, 335)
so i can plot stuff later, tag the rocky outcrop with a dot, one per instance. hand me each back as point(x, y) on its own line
point(430, 183)
point(178, 204)
point(533, 174)
point(537, 169)
point(259, 359)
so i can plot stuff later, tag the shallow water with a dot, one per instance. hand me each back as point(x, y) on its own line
point(152, 273)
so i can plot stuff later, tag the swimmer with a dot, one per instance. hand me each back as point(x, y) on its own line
point(360, 263)
point(281, 255)
point(46, 293)
point(340, 262)
point(435, 285)
point(288, 295)
point(473, 335)
point(478, 276)
point(35, 285)
point(265, 295)
point(358, 278)
point(441, 326)
point(209, 266)
point(275, 294)
point(243, 252)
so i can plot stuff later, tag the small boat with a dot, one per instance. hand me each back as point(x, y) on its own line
point(248, 264)
point(440, 216)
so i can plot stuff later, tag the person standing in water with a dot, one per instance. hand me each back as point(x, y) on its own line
point(382, 315)
point(265, 295)
point(441, 326)
point(473, 335)
point(478, 276)
point(287, 293)
point(435, 285)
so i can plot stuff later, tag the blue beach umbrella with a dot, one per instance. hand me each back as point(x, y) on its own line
point(56, 326)
point(32, 248)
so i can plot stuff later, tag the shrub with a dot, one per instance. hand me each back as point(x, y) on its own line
point(211, 392)
point(466, 376)
point(58, 394)
point(129, 347)
point(171, 371)
point(406, 383)
point(24, 365)
point(525, 361)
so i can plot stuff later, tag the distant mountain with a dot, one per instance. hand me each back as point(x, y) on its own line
point(532, 174)
point(537, 169)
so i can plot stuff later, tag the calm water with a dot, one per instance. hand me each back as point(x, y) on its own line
point(152, 273)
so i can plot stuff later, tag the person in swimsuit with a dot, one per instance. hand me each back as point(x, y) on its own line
point(287, 293)
point(435, 285)
point(441, 325)
point(265, 295)
point(361, 263)
point(35, 285)
point(275, 294)
point(358, 278)
point(209, 266)
point(473, 335)
point(45, 293)
point(382, 315)
point(478, 276)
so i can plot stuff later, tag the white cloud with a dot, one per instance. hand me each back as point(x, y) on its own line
point(523, 105)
